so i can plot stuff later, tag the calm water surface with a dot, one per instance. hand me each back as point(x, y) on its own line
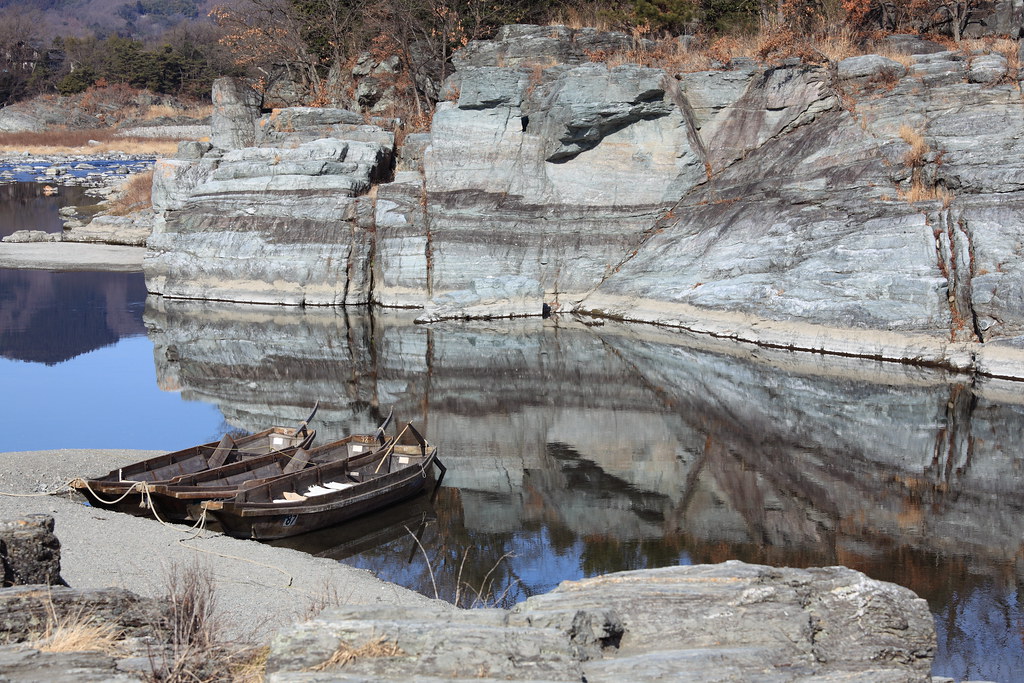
point(25, 206)
point(572, 450)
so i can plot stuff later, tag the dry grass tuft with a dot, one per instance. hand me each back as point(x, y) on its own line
point(327, 596)
point(77, 631)
point(919, 193)
point(918, 146)
point(905, 60)
point(162, 111)
point(135, 194)
point(250, 668)
point(839, 45)
point(159, 111)
point(583, 15)
point(345, 653)
point(193, 634)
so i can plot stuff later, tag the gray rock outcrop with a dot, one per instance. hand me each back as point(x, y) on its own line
point(30, 552)
point(235, 108)
point(35, 602)
point(731, 621)
point(132, 230)
point(870, 209)
point(297, 228)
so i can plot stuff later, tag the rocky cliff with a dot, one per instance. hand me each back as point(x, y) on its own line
point(869, 207)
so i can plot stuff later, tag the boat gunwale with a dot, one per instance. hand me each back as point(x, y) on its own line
point(334, 501)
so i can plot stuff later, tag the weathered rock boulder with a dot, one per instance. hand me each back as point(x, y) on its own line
point(731, 621)
point(235, 109)
point(30, 552)
point(32, 236)
point(25, 611)
point(285, 220)
point(28, 665)
point(132, 230)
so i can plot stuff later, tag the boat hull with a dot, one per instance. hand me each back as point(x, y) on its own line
point(125, 489)
point(266, 512)
point(270, 524)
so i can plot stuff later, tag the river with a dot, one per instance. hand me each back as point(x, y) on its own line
point(573, 448)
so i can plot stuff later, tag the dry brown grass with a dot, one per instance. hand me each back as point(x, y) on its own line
point(919, 193)
point(135, 194)
point(668, 54)
point(583, 15)
point(346, 653)
point(905, 60)
point(915, 157)
point(840, 45)
point(250, 669)
point(193, 634)
point(919, 149)
point(77, 631)
point(157, 111)
point(60, 141)
point(772, 44)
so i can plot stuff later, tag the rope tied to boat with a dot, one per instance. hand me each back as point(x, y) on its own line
point(68, 485)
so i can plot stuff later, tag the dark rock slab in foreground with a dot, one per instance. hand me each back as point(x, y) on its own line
point(30, 552)
point(732, 621)
point(25, 611)
point(26, 665)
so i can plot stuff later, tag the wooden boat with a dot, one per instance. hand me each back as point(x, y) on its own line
point(122, 489)
point(322, 496)
point(180, 499)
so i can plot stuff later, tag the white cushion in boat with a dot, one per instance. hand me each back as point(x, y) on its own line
point(338, 485)
point(290, 497)
point(315, 490)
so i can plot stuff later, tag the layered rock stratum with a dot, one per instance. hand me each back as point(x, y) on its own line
point(864, 208)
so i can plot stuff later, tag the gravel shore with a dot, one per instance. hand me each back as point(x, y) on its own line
point(259, 588)
point(71, 256)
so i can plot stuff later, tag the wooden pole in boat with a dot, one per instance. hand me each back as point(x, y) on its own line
point(391, 448)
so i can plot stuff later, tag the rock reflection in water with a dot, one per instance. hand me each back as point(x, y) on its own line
point(50, 317)
point(583, 450)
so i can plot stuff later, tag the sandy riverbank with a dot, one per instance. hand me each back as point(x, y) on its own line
point(70, 256)
point(259, 587)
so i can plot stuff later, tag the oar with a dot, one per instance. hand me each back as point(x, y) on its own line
point(305, 423)
point(384, 425)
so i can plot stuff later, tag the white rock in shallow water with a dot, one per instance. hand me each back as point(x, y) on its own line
point(22, 236)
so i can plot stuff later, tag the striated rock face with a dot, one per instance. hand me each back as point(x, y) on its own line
point(287, 221)
point(732, 621)
point(865, 208)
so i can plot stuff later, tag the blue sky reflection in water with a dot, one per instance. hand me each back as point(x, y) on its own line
point(77, 369)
